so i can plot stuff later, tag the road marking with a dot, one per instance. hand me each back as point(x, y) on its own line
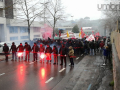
point(2, 74)
point(62, 70)
point(89, 87)
point(49, 80)
point(77, 58)
point(31, 63)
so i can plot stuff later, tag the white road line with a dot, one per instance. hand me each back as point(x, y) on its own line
point(62, 70)
point(49, 80)
point(2, 74)
point(31, 63)
point(77, 58)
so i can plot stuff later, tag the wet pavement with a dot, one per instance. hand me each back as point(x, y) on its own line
point(21, 75)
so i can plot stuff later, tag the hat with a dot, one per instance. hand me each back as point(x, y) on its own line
point(70, 47)
point(26, 43)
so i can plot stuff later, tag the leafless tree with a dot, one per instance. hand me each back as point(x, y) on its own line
point(28, 10)
point(55, 12)
point(112, 16)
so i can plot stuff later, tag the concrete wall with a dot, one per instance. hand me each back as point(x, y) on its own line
point(115, 40)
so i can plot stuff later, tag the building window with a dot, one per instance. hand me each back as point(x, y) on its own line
point(13, 29)
point(23, 29)
point(1, 0)
point(36, 35)
point(36, 29)
point(13, 38)
point(24, 37)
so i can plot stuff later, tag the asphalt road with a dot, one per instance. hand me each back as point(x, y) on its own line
point(21, 75)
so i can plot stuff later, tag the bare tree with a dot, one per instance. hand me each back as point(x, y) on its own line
point(28, 10)
point(55, 12)
point(112, 16)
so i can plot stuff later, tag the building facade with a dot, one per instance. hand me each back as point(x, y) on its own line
point(13, 29)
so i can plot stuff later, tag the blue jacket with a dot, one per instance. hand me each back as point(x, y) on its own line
point(105, 52)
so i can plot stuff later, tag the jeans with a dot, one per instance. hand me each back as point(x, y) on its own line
point(14, 55)
point(27, 54)
point(71, 61)
point(63, 57)
point(91, 51)
point(35, 56)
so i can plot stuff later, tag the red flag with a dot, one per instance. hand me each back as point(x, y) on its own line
point(82, 33)
point(93, 33)
point(55, 34)
point(98, 34)
point(59, 33)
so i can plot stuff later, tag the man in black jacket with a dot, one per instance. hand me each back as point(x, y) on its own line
point(35, 49)
point(41, 50)
point(48, 52)
point(27, 48)
point(20, 49)
point(6, 50)
point(14, 50)
point(63, 53)
point(92, 48)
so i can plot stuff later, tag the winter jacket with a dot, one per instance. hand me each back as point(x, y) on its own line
point(13, 48)
point(63, 51)
point(27, 48)
point(48, 50)
point(35, 49)
point(42, 49)
point(105, 52)
point(92, 45)
point(71, 52)
point(20, 48)
point(5, 49)
point(55, 51)
point(102, 44)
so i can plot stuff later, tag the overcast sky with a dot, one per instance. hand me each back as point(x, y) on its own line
point(82, 8)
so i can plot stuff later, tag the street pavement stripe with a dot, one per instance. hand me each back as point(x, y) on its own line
point(62, 70)
point(89, 87)
point(31, 63)
point(2, 74)
point(49, 80)
point(77, 58)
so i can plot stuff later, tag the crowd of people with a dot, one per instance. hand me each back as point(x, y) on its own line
point(62, 48)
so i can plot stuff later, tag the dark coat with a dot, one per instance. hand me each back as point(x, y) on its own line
point(27, 48)
point(55, 51)
point(48, 50)
point(92, 45)
point(63, 51)
point(42, 49)
point(13, 48)
point(20, 48)
point(36, 49)
point(5, 49)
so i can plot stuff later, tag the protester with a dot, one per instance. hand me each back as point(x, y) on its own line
point(27, 48)
point(14, 50)
point(55, 54)
point(6, 51)
point(71, 55)
point(20, 50)
point(42, 50)
point(48, 52)
point(92, 47)
point(105, 53)
point(35, 49)
point(63, 53)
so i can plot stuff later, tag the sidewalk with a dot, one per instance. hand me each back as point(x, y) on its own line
point(89, 74)
point(2, 57)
